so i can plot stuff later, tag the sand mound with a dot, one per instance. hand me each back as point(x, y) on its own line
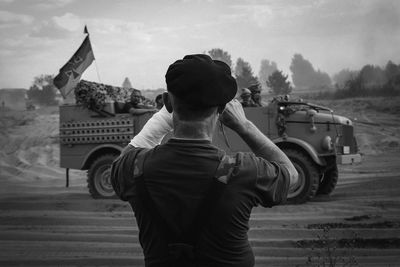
point(29, 143)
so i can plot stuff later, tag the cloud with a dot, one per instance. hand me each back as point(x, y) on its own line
point(12, 42)
point(196, 1)
point(380, 29)
point(123, 29)
point(49, 30)
point(69, 22)
point(23, 42)
point(9, 19)
point(49, 4)
point(58, 27)
point(260, 14)
point(6, 1)
point(231, 17)
point(108, 27)
point(5, 52)
point(113, 31)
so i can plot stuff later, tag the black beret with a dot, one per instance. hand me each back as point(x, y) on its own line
point(201, 81)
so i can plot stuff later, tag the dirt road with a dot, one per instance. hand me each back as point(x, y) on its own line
point(42, 223)
point(49, 225)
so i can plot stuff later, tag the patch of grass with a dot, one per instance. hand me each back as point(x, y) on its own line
point(384, 224)
point(360, 218)
point(382, 243)
point(389, 105)
point(323, 252)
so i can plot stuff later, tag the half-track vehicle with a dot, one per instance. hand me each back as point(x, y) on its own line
point(313, 137)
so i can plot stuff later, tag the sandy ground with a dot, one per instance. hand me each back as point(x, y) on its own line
point(43, 223)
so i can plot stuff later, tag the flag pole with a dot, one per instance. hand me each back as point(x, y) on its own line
point(85, 31)
point(97, 70)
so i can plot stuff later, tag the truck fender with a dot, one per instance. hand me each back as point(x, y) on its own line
point(307, 148)
point(105, 148)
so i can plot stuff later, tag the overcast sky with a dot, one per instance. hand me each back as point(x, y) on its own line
point(139, 39)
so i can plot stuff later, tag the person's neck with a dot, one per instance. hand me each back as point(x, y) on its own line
point(197, 130)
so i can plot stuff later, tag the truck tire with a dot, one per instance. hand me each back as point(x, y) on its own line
point(308, 182)
point(99, 177)
point(329, 181)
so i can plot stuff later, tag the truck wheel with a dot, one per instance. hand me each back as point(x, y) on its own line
point(308, 182)
point(99, 177)
point(329, 181)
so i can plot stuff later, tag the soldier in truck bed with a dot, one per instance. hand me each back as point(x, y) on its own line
point(136, 106)
point(256, 94)
point(246, 100)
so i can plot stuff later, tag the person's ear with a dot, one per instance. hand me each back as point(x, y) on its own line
point(167, 101)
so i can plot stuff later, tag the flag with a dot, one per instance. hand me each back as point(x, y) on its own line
point(85, 30)
point(71, 72)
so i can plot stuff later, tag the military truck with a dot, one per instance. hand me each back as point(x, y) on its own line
point(313, 137)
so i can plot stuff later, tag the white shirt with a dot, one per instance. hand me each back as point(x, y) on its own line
point(154, 130)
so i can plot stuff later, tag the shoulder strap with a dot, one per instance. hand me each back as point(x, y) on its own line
point(207, 207)
point(181, 248)
point(144, 202)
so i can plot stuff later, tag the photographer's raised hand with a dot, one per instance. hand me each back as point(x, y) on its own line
point(234, 117)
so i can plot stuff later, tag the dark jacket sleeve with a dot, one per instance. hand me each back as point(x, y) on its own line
point(270, 180)
point(122, 170)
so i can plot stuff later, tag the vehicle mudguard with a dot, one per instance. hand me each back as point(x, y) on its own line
point(304, 145)
point(108, 148)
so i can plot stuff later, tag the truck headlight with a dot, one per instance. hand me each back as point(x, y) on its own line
point(326, 143)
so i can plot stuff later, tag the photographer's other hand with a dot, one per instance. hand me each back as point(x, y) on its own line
point(233, 116)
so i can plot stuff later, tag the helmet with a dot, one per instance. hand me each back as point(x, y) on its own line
point(245, 91)
point(255, 88)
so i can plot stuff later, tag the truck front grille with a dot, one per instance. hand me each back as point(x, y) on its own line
point(347, 139)
point(347, 134)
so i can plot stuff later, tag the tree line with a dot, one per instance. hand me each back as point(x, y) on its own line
point(42, 90)
point(370, 80)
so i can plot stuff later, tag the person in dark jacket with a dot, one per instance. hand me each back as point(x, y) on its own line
point(136, 106)
point(246, 100)
point(159, 102)
point(256, 94)
point(192, 202)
